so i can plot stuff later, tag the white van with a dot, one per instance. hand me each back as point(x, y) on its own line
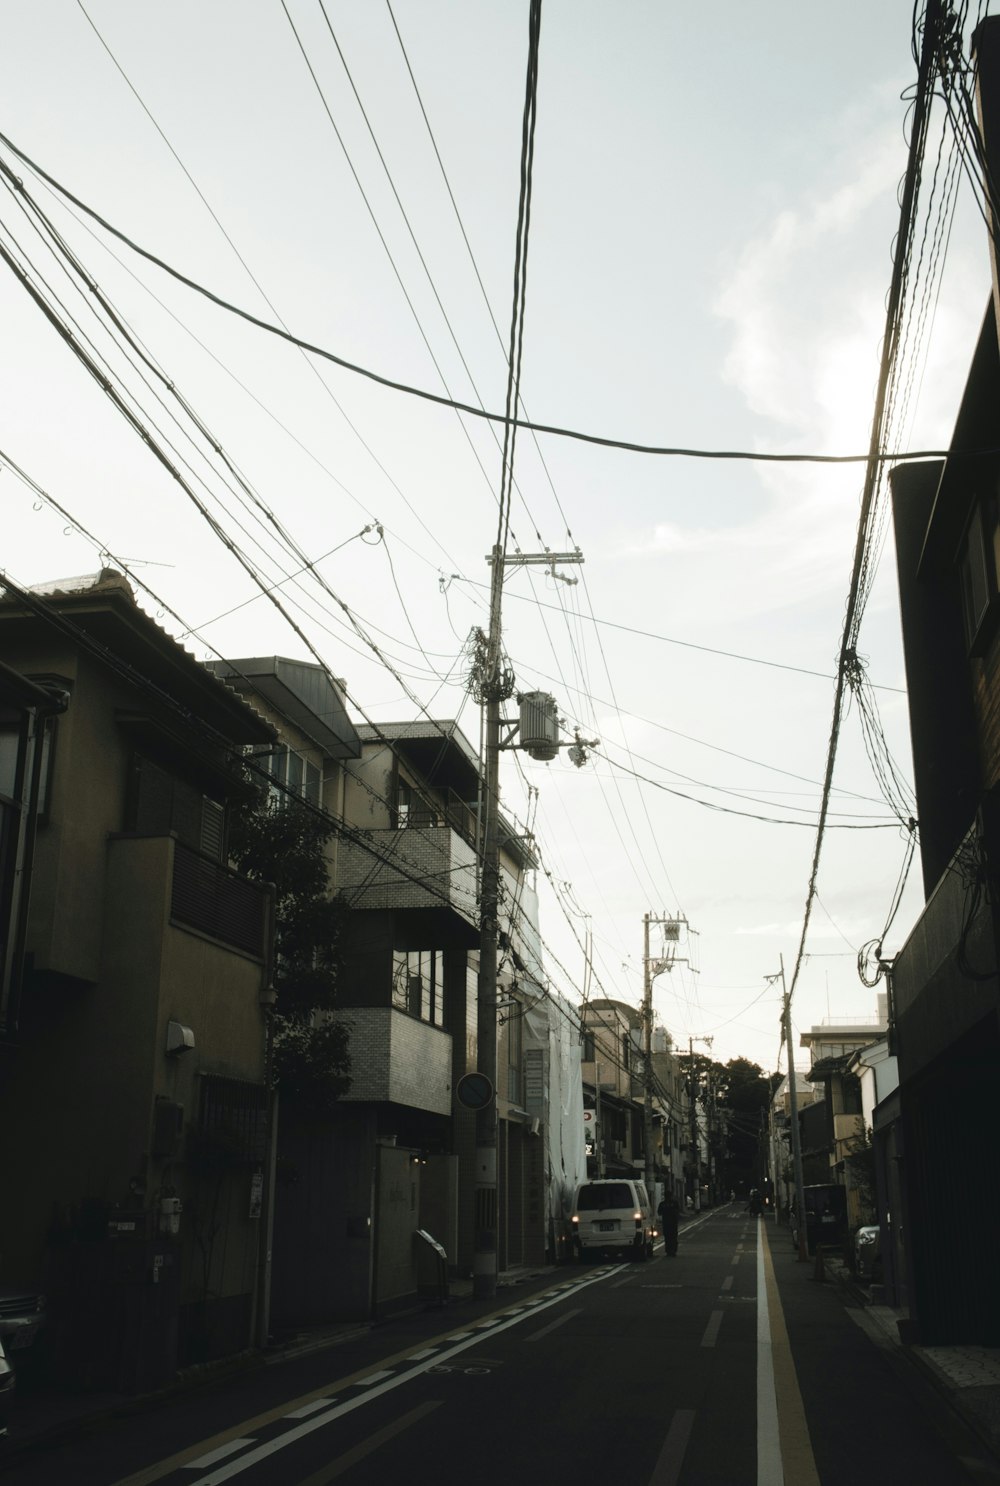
point(613, 1216)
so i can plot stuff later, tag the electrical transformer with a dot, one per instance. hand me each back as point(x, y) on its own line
point(539, 725)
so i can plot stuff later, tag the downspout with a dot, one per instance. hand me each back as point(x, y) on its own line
point(42, 703)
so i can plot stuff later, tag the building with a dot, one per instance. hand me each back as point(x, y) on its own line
point(835, 1134)
point(133, 1099)
point(944, 979)
point(611, 1060)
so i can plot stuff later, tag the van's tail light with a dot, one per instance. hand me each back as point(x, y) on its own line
point(575, 1218)
point(638, 1220)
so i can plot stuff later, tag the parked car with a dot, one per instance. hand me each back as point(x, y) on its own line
point(22, 1314)
point(868, 1253)
point(6, 1390)
point(613, 1217)
point(825, 1213)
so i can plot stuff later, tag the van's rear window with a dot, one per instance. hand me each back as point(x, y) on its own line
point(612, 1194)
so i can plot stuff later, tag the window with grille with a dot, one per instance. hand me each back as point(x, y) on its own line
point(418, 983)
point(233, 1117)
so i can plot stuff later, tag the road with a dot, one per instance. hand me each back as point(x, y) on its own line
point(726, 1365)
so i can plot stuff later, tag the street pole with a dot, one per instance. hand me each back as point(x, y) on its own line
point(647, 1049)
point(694, 1126)
point(793, 1105)
point(484, 1264)
point(598, 1121)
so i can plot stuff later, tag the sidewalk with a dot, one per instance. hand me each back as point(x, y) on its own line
point(968, 1378)
point(50, 1414)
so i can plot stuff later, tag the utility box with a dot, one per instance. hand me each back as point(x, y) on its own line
point(539, 725)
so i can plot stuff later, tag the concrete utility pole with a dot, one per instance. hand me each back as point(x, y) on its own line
point(496, 686)
point(647, 1052)
point(793, 1105)
point(694, 1119)
point(650, 969)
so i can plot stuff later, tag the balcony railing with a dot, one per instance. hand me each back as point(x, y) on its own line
point(217, 901)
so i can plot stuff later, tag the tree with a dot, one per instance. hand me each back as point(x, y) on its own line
point(280, 840)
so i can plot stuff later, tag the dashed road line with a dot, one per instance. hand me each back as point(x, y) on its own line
point(310, 1408)
point(667, 1470)
point(712, 1329)
point(220, 1453)
point(535, 1336)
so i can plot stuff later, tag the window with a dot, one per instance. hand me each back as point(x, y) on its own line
point(292, 773)
point(160, 803)
point(588, 1047)
point(418, 983)
point(13, 740)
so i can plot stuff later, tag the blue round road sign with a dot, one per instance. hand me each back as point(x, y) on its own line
point(474, 1091)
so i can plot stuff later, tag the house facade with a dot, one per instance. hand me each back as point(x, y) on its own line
point(133, 1099)
point(834, 1129)
point(944, 980)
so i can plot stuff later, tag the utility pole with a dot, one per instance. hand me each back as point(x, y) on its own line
point(793, 1105)
point(693, 1111)
point(650, 969)
point(647, 1052)
point(495, 685)
point(598, 1122)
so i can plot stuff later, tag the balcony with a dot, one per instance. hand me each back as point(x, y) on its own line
point(211, 898)
point(398, 1060)
point(414, 866)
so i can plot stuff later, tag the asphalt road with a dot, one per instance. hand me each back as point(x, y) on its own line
point(726, 1365)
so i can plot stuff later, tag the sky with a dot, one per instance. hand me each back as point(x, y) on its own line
point(713, 208)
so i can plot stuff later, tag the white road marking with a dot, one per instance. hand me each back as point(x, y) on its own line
point(309, 1408)
point(727, 1283)
point(769, 1468)
point(214, 1456)
point(373, 1377)
point(667, 1470)
point(459, 1344)
point(712, 1329)
point(419, 1356)
point(334, 1468)
point(559, 1321)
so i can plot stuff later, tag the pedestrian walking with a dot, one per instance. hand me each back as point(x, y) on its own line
point(669, 1213)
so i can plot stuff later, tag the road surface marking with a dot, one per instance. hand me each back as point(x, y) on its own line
point(214, 1456)
point(373, 1377)
point(667, 1470)
point(735, 1259)
point(446, 1346)
point(795, 1456)
point(310, 1408)
point(727, 1283)
point(372, 1443)
point(559, 1321)
point(419, 1356)
point(769, 1471)
point(712, 1329)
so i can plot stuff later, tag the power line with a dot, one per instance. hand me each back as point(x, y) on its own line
point(878, 457)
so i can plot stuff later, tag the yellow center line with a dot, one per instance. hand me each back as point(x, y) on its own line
point(798, 1462)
